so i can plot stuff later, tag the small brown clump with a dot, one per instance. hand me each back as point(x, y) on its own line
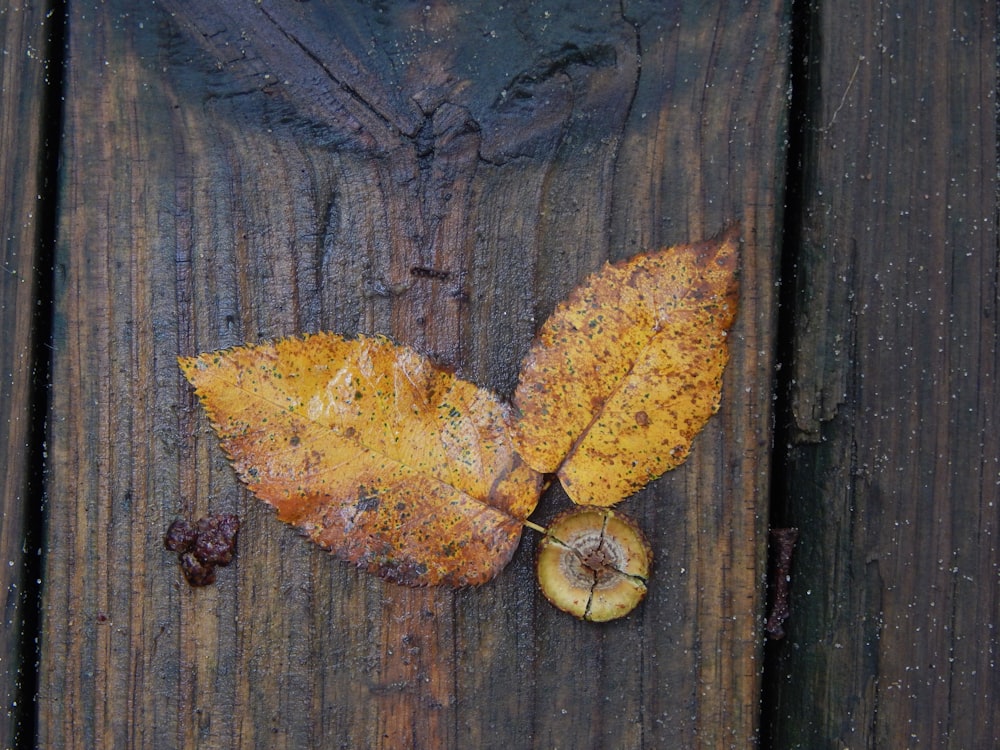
point(180, 536)
point(210, 542)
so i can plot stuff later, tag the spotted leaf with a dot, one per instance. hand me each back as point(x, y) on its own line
point(379, 456)
point(626, 372)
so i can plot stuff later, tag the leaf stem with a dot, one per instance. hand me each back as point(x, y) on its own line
point(535, 527)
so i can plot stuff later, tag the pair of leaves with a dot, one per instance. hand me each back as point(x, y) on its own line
point(425, 479)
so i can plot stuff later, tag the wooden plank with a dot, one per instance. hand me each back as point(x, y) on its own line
point(26, 71)
point(893, 475)
point(247, 171)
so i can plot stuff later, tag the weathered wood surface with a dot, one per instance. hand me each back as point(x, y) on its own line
point(26, 71)
point(240, 171)
point(230, 177)
point(893, 472)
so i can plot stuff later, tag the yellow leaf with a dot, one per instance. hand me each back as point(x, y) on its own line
point(626, 372)
point(378, 455)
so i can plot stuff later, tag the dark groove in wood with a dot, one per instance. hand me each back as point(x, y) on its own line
point(803, 74)
point(44, 50)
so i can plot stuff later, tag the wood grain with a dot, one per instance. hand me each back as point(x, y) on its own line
point(238, 172)
point(892, 473)
point(27, 71)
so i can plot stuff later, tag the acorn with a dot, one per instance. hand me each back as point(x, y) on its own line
point(594, 563)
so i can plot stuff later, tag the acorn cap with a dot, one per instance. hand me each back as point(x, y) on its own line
point(594, 563)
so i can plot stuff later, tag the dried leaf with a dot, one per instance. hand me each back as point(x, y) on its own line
point(378, 455)
point(626, 372)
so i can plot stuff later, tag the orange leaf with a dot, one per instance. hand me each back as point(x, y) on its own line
point(381, 457)
point(626, 372)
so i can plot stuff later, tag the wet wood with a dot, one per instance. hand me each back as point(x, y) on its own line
point(892, 472)
point(238, 172)
point(27, 69)
point(445, 175)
